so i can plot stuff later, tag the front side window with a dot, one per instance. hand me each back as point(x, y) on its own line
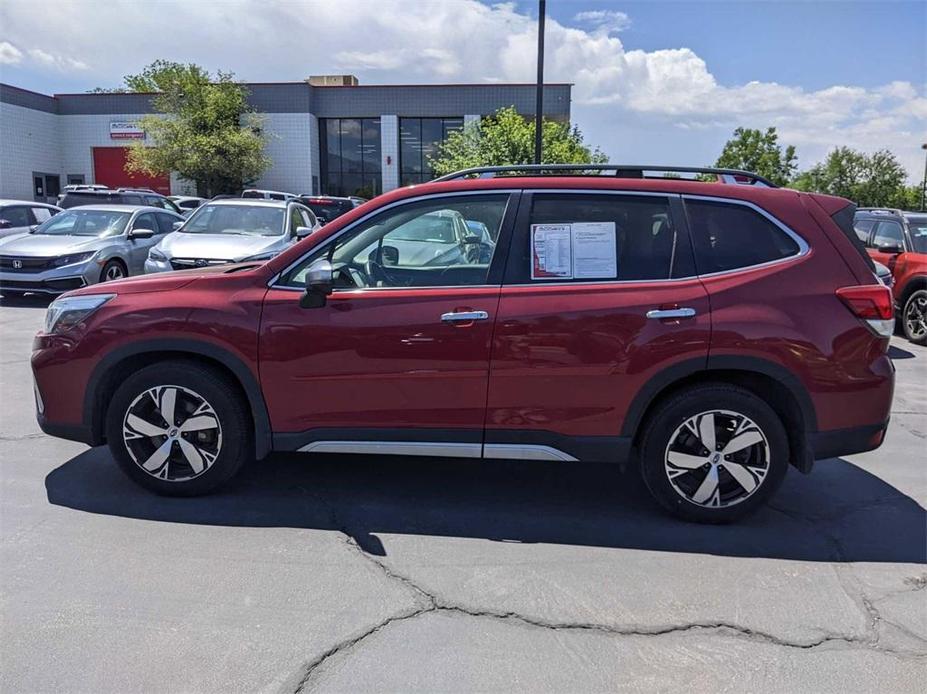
point(85, 223)
point(729, 236)
point(591, 237)
point(165, 222)
point(237, 220)
point(16, 216)
point(422, 244)
point(146, 221)
point(888, 233)
point(296, 219)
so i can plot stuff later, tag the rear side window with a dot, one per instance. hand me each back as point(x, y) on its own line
point(583, 238)
point(41, 214)
point(729, 236)
point(132, 200)
point(862, 227)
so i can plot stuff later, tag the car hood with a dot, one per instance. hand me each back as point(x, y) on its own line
point(218, 246)
point(42, 245)
point(160, 282)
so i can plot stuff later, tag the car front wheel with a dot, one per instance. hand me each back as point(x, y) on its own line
point(914, 317)
point(179, 428)
point(713, 453)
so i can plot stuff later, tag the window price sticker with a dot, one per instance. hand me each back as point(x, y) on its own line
point(581, 250)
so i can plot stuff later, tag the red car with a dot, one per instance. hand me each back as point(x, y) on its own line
point(898, 240)
point(712, 333)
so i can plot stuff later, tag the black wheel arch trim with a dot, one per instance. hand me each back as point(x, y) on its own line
point(665, 379)
point(912, 285)
point(93, 421)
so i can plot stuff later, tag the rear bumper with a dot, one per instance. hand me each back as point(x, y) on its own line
point(832, 444)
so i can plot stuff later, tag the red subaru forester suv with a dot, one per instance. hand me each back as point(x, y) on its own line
point(712, 333)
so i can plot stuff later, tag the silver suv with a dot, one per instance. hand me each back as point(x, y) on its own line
point(81, 246)
point(233, 230)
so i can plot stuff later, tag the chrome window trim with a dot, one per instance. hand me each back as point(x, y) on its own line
point(373, 213)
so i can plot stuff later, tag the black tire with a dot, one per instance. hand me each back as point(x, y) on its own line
point(665, 435)
point(228, 445)
point(113, 267)
point(914, 317)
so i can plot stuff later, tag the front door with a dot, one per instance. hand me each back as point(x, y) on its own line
point(599, 296)
point(397, 361)
point(138, 247)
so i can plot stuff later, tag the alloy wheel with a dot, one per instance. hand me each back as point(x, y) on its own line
point(717, 458)
point(172, 433)
point(113, 272)
point(915, 316)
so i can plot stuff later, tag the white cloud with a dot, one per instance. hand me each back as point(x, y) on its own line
point(664, 105)
point(9, 54)
point(55, 61)
point(604, 20)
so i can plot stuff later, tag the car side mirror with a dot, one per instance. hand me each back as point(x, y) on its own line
point(141, 234)
point(6, 224)
point(176, 225)
point(893, 248)
point(303, 232)
point(34, 228)
point(320, 278)
point(472, 240)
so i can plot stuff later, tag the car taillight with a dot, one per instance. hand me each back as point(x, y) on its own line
point(873, 304)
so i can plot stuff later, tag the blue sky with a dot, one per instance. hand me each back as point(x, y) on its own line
point(664, 82)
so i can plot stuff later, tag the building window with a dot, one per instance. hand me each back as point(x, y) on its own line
point(350, 162)
point(418, 142)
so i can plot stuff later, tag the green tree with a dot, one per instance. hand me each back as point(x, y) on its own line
point(507, 138)
point(761, 153)
point(870, 180)
point(204, 130)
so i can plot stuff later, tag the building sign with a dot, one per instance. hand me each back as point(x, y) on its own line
point(125, 130)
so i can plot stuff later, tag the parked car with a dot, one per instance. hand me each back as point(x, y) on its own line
point(186, 203)
point(120, 196)
point(267, 194)
point(326, 207)
point(82, 246)
point(884, 274)
point(712, 334)
point(71, 187)
point(231, 231)
point(899, 240)
point(19, 216)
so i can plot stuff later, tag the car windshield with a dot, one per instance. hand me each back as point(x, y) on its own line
point(433, 228)
point(85, 223)
point(243, 220)
point(918, 228)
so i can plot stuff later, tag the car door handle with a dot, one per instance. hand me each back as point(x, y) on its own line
point(463, 316)
point(664, 313)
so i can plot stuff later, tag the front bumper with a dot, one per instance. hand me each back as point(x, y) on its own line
point(53, 281)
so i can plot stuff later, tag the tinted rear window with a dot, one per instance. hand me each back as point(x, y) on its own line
point(730, 236)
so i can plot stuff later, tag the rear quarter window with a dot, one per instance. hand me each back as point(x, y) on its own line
point(729, 236)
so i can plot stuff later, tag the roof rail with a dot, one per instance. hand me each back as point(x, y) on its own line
point(887, 210)
point(621, 171)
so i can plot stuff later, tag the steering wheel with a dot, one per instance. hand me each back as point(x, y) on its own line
point(480, 252)
point(375, 273)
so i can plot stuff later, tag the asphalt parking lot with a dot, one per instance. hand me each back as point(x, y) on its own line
point(323, 573)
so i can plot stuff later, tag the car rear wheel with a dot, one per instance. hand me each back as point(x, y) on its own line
point(713, 453)
point(113, 270)
point(914, 317)
point(179, 428)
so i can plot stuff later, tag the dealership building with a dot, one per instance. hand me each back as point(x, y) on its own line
point(326, 134)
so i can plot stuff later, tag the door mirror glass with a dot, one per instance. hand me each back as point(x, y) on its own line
point(303, 232)
point(319, 281)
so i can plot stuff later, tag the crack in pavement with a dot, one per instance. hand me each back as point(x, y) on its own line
point(24, 437)
point(429, 602)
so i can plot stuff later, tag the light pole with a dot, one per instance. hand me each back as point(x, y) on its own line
point(924, 182)
point(539, 101)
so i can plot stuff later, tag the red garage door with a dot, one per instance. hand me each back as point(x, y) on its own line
point(109, 169)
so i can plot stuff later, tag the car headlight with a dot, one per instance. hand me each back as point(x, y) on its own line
point(156, 255)
point(72, 259)
point(66, 312)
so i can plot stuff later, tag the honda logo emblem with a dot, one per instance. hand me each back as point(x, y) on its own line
point(17, 264)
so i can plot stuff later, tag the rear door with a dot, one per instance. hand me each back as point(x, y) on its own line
point(599, 296)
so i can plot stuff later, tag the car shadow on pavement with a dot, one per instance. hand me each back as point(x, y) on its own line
point(26, 301)
point(839, 513)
